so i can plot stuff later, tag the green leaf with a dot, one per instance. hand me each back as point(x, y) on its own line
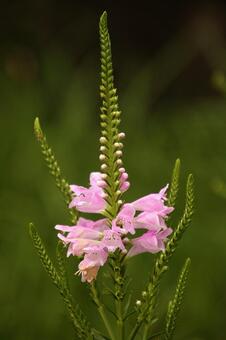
point(54, 169)
point(175, 304)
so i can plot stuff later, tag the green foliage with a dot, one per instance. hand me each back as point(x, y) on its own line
point(54, 169)
point(110, 119)
point(174, 186)
point(79, 322)
point(175, 304)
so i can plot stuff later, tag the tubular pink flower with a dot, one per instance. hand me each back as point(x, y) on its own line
point(94, 258)
point(153, 203)
point(152, 242)
point(150, 221)
point(89, 200)
point(124, 221)
point(99, 225)
point(78, 238)
point(112, 241)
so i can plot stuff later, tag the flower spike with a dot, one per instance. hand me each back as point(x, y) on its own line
point(110, 118)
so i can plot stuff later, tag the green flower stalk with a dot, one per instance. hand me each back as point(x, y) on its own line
point(120, 231)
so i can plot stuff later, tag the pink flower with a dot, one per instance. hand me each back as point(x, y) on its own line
point(79, 238)
point(112, 241)
point(90, 199)
point(124, 221)
point(153, 203)
point(150, 221)
point(94, 258)
point(152, 242)
point(88, 234)
point(99, 225)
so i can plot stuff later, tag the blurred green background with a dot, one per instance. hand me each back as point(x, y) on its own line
point(169, 69)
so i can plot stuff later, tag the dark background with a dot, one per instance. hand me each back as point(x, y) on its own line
point(169, 61)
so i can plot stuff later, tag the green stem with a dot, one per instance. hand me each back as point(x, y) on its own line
point(106, 322)
point(120, 319)
point(135, 330)
point(145, 334)
point(101, 311)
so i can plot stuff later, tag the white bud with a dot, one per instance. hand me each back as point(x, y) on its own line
point(104, 176)
point(102, 157)
point(119, 161)
point(117, 144)
point(103, 148)
point(103, 140)
point(121, 135)
point(144, 293)
point(138, 302)
point(126, 240)
point(103, 195)
point(103, 167)
point(121, 170)
point(118, 153)
point(120, 202)
point(124, 251)
point(118, 192)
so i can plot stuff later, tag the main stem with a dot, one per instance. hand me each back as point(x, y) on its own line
point(102, 312)
point(145, 334)
point(120, 319)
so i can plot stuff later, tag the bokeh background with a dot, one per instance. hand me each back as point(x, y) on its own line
point(169, 61)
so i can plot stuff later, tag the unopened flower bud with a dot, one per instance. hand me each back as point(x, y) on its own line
point(103, 167)
point(144, 293)
point(125, 186)
point(102, 157)
point(101, 184)
point(121, 135)
point(103, 195)
point(119, 161)
point(138, 303)
point(118, 153)
point(120, 202)
point(117, 113)
point(103, 140)
point(121, 170)
point(126, 240)
point(103, 148)
point(124, 251)
point(118, 192)
point(116, 144)
point(124, 176)
point(104, 176)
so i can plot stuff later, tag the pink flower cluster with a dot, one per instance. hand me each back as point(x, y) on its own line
point(95, 240)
